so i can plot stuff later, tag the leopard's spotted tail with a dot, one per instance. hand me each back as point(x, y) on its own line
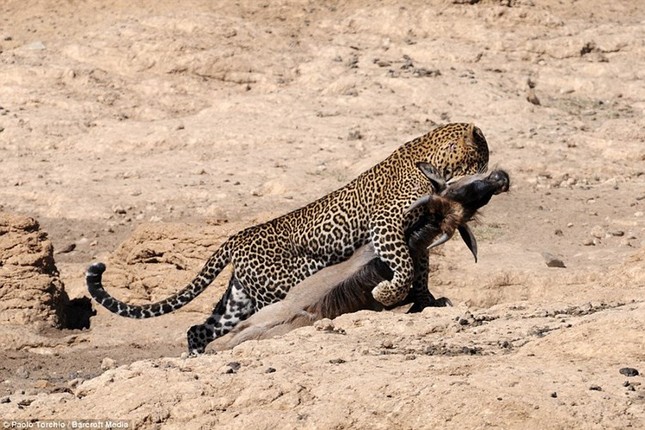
point(215, 264)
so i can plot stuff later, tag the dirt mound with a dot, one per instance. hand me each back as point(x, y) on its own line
point(520, 366)
point(30, 289)
point(159, 259)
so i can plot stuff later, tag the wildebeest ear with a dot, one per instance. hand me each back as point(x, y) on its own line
point(435, 178)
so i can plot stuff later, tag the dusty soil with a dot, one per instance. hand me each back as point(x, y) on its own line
point(144, 134)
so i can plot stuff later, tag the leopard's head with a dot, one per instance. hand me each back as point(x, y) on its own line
point(458, 149)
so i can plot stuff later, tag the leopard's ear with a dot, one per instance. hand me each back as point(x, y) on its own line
point(435, 178)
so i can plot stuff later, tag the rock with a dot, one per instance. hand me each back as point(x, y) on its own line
point(108, 363)
point(324, 324)
point(595, 388)
point(36, 46)
point(597, 231)
point(552, 261)
point(629, 371)
point(466, 319)
point(32, 292)
point(532, 98)
point(5, 399)
point(231, 368)
point(22, 372)
point(41, 383)
point(554, 395)
point(67, 248)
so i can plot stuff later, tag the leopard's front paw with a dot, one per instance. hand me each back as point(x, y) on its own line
point(386, 294)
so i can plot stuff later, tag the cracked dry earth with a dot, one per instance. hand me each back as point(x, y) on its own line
point(143, 135)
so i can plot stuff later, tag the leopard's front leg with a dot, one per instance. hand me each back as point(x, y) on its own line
point(390, 245)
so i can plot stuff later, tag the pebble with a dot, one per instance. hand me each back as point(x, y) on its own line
point(108, 363)
point(554, 395)
point(532, 98)
point(552, 261)
point(41, 383)
point(629, 371)
point(22, 372)
point(5, 399)
point(74, 382)
point(324, 324)
point(589, 242)
point(68, 248)
point(466, 319)
point(595, 388)
point(597, 231)
point(270, 370)
point(36, 46)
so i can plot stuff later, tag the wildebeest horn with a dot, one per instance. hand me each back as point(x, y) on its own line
point(442, 239)
point(469, 239)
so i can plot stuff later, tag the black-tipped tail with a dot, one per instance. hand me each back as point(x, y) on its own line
point(95, 270)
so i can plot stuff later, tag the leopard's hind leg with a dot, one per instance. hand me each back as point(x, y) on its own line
point(233, 307)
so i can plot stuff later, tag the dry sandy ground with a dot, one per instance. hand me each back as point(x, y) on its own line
point(144, 135)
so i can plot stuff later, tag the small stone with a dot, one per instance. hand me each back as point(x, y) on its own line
point(337, 361)
point(234, 365)
point(629, 371)
point(41, 383)
point(387, 344)
point(625, 242)
point(22, 372)
point(36, 46)
point(270, 370)
point(552, 261)
point(74, 382)
point(597, 231)
point(119, 210)
point(595, 388)
point(354, 135)
point(617, 233)
point(532, 98)
point(324, 324)
point(67, 248)
point(108, 363)
point(5, 399)
point(588, 242)
point(554, 394)
point(558, 232)
point(25, 402)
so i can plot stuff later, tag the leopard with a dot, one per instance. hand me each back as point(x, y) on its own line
point(268, 259)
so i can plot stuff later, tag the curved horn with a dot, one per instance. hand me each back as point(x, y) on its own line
point(469, 239)
point(442, 239)
point(419, 202)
